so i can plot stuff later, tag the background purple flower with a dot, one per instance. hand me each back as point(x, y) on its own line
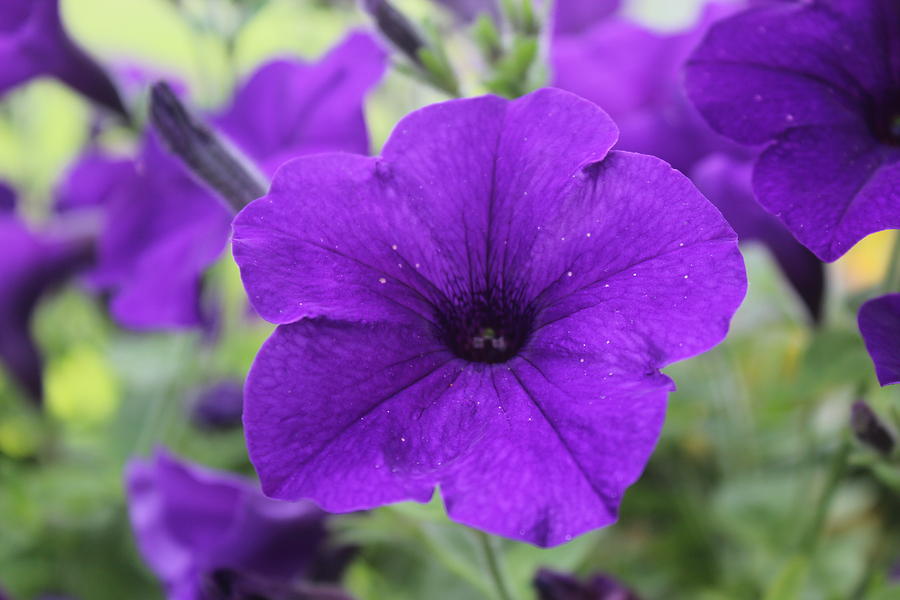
point(33, 43)
point(635, 74)
point(726, 181)
point(163, 229)
point(484, 307)
point(194, 525)
point(879, 323)
point(551, 585)
point(289, 107)
point(819, 83)
point(91, 181)
point(7, 198)
point(575, 16)
point(30, 265)
point(869, 429)
point(219, 405)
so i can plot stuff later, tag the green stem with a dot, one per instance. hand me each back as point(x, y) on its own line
point(891, 281)
point(835, 474)
point(493, 566)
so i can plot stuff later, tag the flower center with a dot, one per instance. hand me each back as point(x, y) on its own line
point(486, 327)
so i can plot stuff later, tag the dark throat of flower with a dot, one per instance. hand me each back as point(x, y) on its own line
point(486, 326)
point(884, 120)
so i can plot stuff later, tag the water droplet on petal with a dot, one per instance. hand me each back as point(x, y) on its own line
point(382, 280)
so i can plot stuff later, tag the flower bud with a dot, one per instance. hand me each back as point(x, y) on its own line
point(869, 429)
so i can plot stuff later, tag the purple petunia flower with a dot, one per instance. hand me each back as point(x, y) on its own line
point(869, 429)
point(576, 16)
point(91, 181)
point(484, 307)
point(7, 198)
point(201, 530)
point(30, 265)
point(219, 406)
point(819, 83)
point(634, 73)
point(163, 230)
point(879, 323)
point(34, 43)
point(551, 585)
point(288, 107)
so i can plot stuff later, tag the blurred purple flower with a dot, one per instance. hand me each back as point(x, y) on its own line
point(219, 406)
point(576, 16)
point(879, 324)
point(34, 43)
point(163, 229)
point(289, 107)
point(726, 181)
point(7, 199)
point(551, 585)
point(91, 181)
point(199, 529)
point(819, 83)
point(486, 307)
point(31, 264)
point(870, 429)
point(634, 74)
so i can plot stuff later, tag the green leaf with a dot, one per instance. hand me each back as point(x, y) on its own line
point(790, 581)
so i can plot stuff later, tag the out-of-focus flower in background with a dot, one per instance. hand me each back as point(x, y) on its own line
point(552, 585)
point(31, 264)
point(163, 229)
point(34, 43)
point(879, 323)
point(816, 82)
point(219, 405)
point(205, 533)
point(870, 429)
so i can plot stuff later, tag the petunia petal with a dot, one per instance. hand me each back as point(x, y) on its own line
point(572, 440)
point(653, 296)
point(288, 108)
point(355, 416)
point(784, 65)
point(31, 264)
point(191, 521)
point(405, 231)
point(162, 231)
point(34, 43)
point(91, 181)
point(573, 16)
point(855, 191)
point(879, 323)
